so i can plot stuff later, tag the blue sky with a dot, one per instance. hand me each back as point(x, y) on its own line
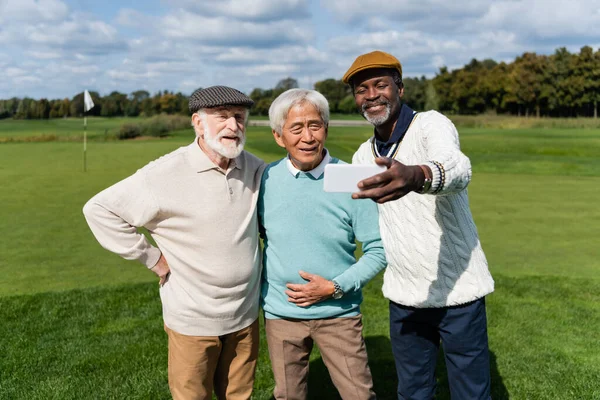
point(58, 48)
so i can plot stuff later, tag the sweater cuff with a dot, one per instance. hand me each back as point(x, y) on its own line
point(347, 285)
point(437, 176)
point(150, 256)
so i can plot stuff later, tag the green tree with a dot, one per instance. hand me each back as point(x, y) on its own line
point(560, 103)
point(42, 109)
point(262, 101)
point(169, 103)
point(585, 76)
point(495, 84)
point(414, 92)
point(334, 91)
point(348, 105)
point(530, 82)
point(26, 109)
point(443, 83)
point(286, 84)
point(432, 101)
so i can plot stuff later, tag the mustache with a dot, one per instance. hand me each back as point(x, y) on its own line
point(228, 132)
point(368, 104)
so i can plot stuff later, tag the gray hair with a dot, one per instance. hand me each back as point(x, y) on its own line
point(281, 106)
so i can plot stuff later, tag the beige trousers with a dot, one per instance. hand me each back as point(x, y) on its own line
point(342, 347)
point(227, 363)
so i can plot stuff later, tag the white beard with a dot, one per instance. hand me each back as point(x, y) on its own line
point(380, 119)
point(229, 151)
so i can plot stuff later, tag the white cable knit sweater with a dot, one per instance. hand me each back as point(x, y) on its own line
point(434, 255)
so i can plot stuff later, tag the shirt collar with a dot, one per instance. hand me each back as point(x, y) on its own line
point(404, 119)
point(201, 163)
point(315, 172)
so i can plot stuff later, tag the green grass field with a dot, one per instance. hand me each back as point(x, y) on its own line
point(79, 322)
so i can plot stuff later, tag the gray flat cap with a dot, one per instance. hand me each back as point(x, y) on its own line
point(217, 96)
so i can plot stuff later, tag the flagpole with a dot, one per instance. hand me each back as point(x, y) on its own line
point(88, 104)
point(84, 142)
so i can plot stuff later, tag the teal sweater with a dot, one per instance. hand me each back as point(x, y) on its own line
point(305, 228)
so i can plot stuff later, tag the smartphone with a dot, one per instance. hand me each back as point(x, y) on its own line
point(345, 177)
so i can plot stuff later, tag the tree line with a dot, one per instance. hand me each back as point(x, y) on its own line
point(562, 84)
point(115, 104)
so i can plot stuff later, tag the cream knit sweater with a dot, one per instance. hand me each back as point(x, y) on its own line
point(434, 255)
point(204, 222)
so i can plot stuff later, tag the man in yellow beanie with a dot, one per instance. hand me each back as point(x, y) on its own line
point(437, 275)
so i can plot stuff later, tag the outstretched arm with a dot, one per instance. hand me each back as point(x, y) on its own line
point(444, 162)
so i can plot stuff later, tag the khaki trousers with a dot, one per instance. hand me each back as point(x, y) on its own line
point(227, 363)
point(342, 347)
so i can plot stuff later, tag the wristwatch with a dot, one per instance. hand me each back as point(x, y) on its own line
point(426, 182)
point(337, 291)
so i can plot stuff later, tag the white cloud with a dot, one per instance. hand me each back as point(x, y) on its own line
point(32, 10)
point(257, 10)
point(129, 75)
point(30, 80)
point(528, 18)
point(73, 33)
point(299, 55)
point(221, 31)
point(60, 36)
point(12, 72)
point(44, 55)
point(132, 18)
point(406, 11)
point(545, 18)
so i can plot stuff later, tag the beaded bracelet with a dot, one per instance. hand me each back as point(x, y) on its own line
point(442, 172)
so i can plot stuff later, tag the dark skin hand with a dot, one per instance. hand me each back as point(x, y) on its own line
point(305, 294)
point(397, 181)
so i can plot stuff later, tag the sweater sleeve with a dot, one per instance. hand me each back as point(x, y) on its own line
point(450, 167)
point(114, 214)
point(365, 223)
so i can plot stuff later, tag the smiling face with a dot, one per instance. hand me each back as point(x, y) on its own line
point(377, 95)
point(221, 131)
point(303, 136)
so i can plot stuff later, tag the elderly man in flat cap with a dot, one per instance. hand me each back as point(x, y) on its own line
point(199, 205)
point(437, 276)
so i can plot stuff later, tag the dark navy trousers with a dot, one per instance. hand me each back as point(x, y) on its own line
point(416, 334)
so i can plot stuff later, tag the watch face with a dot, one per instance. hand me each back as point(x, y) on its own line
point(337, 291)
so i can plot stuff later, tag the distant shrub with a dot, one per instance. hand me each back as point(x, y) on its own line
point(129, 131)
point(27, 139)
point(157, 126)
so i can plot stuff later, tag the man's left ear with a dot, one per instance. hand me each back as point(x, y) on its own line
point(197, 122)
point(401, 91)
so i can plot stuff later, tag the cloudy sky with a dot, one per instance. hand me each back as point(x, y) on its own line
point(58, 48)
